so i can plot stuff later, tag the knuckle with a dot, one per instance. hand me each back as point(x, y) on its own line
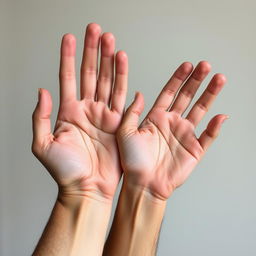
point(90, 70)
point(169, 91)
point(187, 93)
point(104, 79)
point(67, 75)
point(202, 106)
point(135, 111)
point(119, 91)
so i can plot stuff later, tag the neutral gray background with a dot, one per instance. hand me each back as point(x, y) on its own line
point(214, 213)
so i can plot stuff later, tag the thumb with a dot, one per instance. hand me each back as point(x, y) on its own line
point(132, 114)
point(41, 120)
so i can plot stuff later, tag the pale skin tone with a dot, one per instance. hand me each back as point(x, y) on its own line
point(81, 153)
point(171, 149)
point(158, 156)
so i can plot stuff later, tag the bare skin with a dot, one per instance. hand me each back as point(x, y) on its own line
point(171, 149)
point(158, 156)
point(81, 153)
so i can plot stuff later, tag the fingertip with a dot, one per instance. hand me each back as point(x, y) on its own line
point(212, 130)
point(107, 44)
point(136, 95)
point(44, 92)
point(139, 97)
point(204, 66)
point(224, 118)
point(107, 38)
point(39, 92)
point(220, 79)
point(131, 117)
point(92, 35)
point(183, 70)
point(187, 66)
point(93, 28)
point(217, 83)
point(68, 45)
point(45, 101)
point(121, 62)
point(201, 71)
point(69, 38)
point(121, 55)
point(138, 102)
point(217, 121)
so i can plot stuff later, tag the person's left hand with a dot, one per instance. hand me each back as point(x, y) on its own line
point(159, 154)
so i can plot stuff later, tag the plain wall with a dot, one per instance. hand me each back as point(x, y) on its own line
point(214, 212)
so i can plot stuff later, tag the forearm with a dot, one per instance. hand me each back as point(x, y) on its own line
point(77, 226)
point(136, 224)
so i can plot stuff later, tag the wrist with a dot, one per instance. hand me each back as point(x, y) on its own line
point(138, 219)
point(89, 216)
point(79, 194)
point(150, 189)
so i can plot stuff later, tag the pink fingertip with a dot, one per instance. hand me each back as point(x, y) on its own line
point(183, 70)
point(122, 62)
point(68, 47)
point(93, 28)
point(121, 55)
point(187, 67)
point(137, 94)
point(201, 70)
point(220, 79)
point(205, 66)
point(217, 83)
point(224, 119)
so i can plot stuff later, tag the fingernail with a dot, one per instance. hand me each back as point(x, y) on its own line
point(226, 117)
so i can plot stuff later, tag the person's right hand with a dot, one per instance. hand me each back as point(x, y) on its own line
point(159, 155)
point(81, 154)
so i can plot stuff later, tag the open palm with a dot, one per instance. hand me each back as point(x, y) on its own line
point(82, 154)
point(161, 153)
